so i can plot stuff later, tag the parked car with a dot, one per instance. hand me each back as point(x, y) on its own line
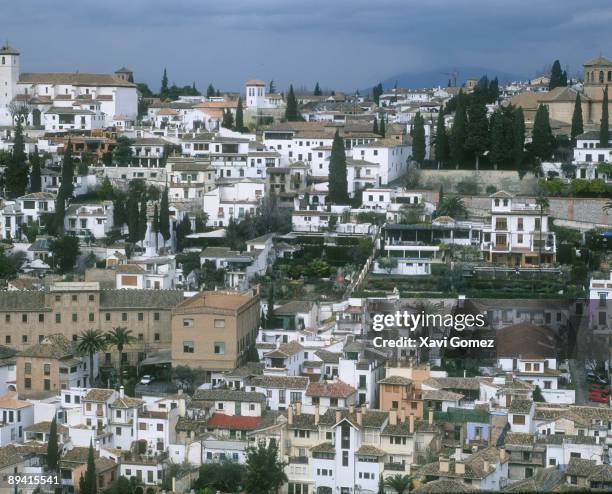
point(599, 388)
point(146, 379)
point(596, 397)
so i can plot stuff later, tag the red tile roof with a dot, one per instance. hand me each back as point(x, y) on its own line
point(337, 389)
point(222, 421)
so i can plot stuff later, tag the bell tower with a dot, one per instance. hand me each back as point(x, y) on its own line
point(9, 76)
point(597, 75)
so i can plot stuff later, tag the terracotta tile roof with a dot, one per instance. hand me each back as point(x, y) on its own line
point(254, 82)
point(98, 394)
point(73, 78)
point(520, 406)
point(323, 448)
point(54, 346)
point(285, 350)
point(396, 381)
point(280, 382)
point(239, 422)
point(336, 389)
point(217, 300)
point(9, 400)
point(45, 427)
point(126, 402)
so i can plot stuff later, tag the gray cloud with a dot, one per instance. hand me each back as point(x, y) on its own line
point(341, 43)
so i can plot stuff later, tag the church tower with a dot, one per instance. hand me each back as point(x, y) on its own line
point(9, 76)
point(597, 75)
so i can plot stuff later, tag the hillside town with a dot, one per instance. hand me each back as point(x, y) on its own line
point(208, 291)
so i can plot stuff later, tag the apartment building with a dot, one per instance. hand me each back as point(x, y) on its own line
point(69, 307)
point(213, 330)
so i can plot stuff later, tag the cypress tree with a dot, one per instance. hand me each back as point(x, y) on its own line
point(556, 76)
point(382, 128)
point(494, 90)
point(577, 123)
point(88, 483)
point(163, 92)
point(518, 137)
point(502, 137)
point(272, 87)
point(228, 119)
point(459, 132)
point(210, 91)
point(119, 213)
point(338, 185)
point(270, 314)
point(142, 219)
point(164, 216)
point(377, 92)
point(291, 111)
point(35, 180)
point(155, 224)
point(542, 140)
point(217, 93)
point(477, 139)
point(17, 169)
point(68, 171)
point(604, 131)
point(60, 212)
point(52, 448)
point(375, 127)
point(317, 90)
point(133, 219)
point(239, 126)
point(441, 141)
point(418, 139)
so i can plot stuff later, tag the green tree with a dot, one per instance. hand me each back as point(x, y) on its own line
point(265, 473)
point(142, 219)
point(239, 125)
point(53, 454)
point(90, 342)
point(228, 119)
point(164, 216)
point(183, 228)
point(459, 132)
point(16, 174)
point(377, 92)
point(399, 483)
point(604, 131)
point(88, 483)
point(494, 91)
point(557, 76)
point(537, 395)
point(270, 313)
point(119, 212)
point(375, 126)
point(477, 139)
point(338, 184)
point(518, 132)
point(502, 141)
point(133, 217)
point(272, 87)
point(200, 222)
point(122, 154)
point(451, 206)
point(35, 179)
point(542, 139)
point(163, 92)
point(418, 139)
point(542, 203)
point(120, 337)
point(57, 223)
point(317, 90)
point(155, 225)
point(441, 144)
point(64, 251)
point(577, 123)
point(68, 171)
point(292, 113)
point(210, 91)
point(381, 481)
point(382, 130)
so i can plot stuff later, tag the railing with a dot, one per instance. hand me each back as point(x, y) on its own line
point(397, 467)
point(301, 460)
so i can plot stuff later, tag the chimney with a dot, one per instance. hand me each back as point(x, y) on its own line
point(430, 417)
point(338, 416)
point(359, 417)
point(485, 467)
point(402, 415)
point(363, 408)
point(392, 417)
point(290, 415)
point(411, 429)
point(298, 408)
point(351, 409)
point(444, 464)
point(459, 467)
point(121, 391)
point(316, 414)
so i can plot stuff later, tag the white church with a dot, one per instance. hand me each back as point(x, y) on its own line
point(63, 101)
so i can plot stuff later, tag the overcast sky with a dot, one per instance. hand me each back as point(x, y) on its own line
point(343, 44)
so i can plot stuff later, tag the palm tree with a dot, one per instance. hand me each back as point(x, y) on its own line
point(452, 206)
point(542, 203)
point(399, 483)
point(89, 343)
point(120, 337)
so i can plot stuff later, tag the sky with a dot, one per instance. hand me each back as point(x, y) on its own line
point(343, 44)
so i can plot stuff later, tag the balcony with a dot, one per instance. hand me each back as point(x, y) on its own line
point(396, 467)
point(299, 460)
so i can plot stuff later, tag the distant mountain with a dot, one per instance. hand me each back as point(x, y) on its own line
point(431, 78)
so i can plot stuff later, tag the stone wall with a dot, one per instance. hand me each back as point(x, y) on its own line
point(501, 179)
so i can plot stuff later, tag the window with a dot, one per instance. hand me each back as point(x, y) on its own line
point(47, 369)
point(156, 336)
point(142, 426)
point(156, 316)
point(24, 338)
point(7, 339)
point(91, 298)
point(219, 348)
point(27, 382)
point(188, 347)
point(91, 317)
point(219, 323)
point(124, 316)
point(47, 385)
point(24, 318)
point(518, 419)
point(160, 427)
point(75, 317)
point(58, 318)
point(41, 318)
point(141, 316)
point(107, 316)
point(7, 318)
point(188, 323)
point(27, 368)
point(118, 431)
point(345, 458)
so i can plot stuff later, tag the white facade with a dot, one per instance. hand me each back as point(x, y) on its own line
point(234, 200)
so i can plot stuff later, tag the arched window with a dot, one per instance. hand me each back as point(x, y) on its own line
point(601, 76)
